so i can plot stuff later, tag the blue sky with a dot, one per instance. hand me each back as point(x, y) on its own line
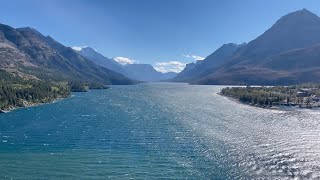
point(151, 31)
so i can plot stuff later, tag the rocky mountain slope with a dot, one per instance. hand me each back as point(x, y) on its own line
point(284, 54)
point(140, 72)
point(214, 60)
point(101, 60)
point(29, 54)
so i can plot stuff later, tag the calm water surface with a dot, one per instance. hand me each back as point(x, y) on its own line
point(155, 130)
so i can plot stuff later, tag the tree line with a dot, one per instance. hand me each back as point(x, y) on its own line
point(273, 95)
point(18, 92)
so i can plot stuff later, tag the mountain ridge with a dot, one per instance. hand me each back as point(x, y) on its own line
point(146, 72)
point(201, 67)
point(140, 72)
point(48, 59)
point(247, 66)
point(101, 60)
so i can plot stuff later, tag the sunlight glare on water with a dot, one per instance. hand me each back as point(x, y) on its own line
point(154, 130)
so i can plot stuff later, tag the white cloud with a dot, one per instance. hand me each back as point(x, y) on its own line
point(78, 48)
point(171, 66)
point(195, 57)
point(124, 60)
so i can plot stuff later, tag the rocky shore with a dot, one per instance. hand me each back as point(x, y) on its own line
point(26, 104)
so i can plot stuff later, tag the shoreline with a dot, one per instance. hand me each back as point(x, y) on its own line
point(30, 104)
point(280, 108)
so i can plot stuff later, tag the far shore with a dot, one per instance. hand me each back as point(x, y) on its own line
point(279, 107)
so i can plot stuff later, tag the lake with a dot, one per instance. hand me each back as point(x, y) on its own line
point(158, 130)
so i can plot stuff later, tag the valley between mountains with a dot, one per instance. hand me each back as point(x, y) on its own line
point(37, 69)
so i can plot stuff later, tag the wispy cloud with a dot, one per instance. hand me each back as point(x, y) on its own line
point(78, 48)
point(125, 60)
point(195, 57)
point(171, 66)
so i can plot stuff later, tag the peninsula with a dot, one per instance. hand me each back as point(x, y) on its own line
point(303, 96)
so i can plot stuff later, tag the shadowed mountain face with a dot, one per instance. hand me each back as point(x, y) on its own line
point(146, 72)
point(101, 60)
point(140, 72)
point(214, 60)
point(284, 54)
point(299, 29)
point(26, 52)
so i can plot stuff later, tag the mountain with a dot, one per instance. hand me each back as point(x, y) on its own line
point(140, 72)
point(186, 74)
point(270, 58)
point(195, 70)
point(168, 75)
point(29, 54)
point(101, 60)
point(146, 72)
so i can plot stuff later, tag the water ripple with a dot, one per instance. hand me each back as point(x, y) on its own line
point(154, 130)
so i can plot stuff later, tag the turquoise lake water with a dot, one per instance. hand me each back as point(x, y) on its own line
point(158, 130)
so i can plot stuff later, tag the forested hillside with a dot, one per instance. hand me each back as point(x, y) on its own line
point(17, 92)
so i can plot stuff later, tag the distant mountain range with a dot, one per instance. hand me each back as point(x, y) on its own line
point(29, 54)
point(101, 60)
point(141, 72)
point(146, 72)
point(287, 53)
point(214, 60)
